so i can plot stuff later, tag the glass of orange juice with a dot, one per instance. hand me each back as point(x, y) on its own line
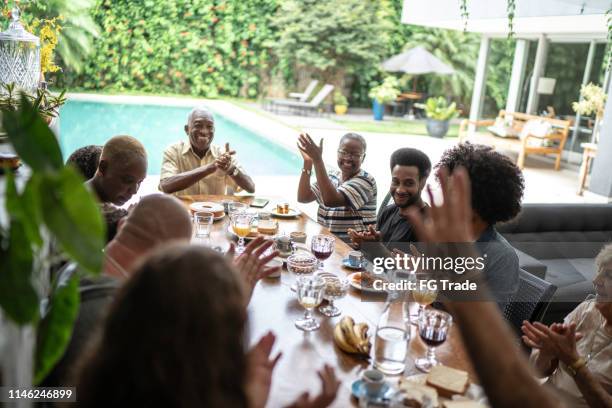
point(424, 293)
point(241, 225)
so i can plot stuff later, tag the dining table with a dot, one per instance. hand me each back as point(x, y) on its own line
point(274, 308)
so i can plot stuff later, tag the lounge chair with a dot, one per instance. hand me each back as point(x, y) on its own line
point(302, 107)
point(303, 97)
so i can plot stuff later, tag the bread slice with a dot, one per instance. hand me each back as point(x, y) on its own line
point(417, 395)
point(448, 381)
point(267, 230)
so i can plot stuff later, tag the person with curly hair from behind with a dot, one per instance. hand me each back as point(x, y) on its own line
point(497, 186)
point(85, 159)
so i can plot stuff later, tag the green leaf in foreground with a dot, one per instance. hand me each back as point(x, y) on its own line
point(18, 298)
point(32, 139)
point(72, 215)
point(55, 329)
point(26, 207)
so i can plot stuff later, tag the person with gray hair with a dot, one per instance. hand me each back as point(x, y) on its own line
point(576, 355)
point(199, 167)
point(346, 198)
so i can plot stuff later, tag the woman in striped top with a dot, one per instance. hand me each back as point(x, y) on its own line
point(346, 197)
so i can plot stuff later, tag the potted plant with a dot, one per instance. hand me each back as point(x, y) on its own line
point(340, 103)
point(592, 101)
point(52, 204)
point(382, 94)
point(439, 113)
point(44, 102)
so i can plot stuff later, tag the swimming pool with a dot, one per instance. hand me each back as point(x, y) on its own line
point(84, 123)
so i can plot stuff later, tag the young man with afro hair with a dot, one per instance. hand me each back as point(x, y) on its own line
point(497, 186)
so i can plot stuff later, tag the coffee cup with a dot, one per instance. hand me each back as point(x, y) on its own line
point(284, 244)
point(355, 259)
point(373, 382)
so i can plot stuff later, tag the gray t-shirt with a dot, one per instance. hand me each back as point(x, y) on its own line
point(501, 265)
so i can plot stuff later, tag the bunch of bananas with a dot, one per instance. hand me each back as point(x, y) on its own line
point(352, 338)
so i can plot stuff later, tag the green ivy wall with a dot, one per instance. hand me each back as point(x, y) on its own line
point(196, 47)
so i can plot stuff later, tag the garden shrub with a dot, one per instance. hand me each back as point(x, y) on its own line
point(196, 47)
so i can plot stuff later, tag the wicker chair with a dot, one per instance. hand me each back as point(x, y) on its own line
point(529, 302)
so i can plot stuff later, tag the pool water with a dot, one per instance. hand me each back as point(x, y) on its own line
point(84, 123)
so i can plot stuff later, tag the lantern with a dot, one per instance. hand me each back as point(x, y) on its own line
point(19, 56)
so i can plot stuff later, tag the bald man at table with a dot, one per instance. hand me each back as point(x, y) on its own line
point(196, 166)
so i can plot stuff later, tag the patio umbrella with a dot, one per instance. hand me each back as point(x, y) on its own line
point(417, 61)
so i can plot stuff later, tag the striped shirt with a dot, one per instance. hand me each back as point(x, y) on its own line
point(360, 193)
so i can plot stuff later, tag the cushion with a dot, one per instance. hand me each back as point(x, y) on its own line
point(538, 128)
point(566, 272)
point(503, 128)
point(573, 278)
point(553, 245)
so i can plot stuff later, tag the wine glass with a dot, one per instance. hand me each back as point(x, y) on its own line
point(335, 288)
point(433, 328)
point(322, 246)
point(241, 225)
point(310, 294)
point(424, 293)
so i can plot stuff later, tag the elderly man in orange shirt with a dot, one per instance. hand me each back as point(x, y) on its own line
point(199, 167)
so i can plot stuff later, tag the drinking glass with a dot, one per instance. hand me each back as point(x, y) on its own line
point(335, 288)
point(322, 246)
point(203, 222)
point(236, 206)
point(423, 294)
point(310, 294)
point(241, 225)
point(433, 328)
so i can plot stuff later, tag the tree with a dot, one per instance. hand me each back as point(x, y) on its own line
point(333, 39)
point(499, 70)
point(457, 49)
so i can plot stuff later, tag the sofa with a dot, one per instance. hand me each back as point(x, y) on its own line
point(558, 243)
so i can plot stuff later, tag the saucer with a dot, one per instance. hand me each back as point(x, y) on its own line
point(345, 262)
point(358, 389)
point(292, 213)
point(285, 255)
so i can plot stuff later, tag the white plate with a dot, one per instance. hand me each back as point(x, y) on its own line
point(292, 213)
point(474, 392)
point(357, 285)
point(298, 248)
